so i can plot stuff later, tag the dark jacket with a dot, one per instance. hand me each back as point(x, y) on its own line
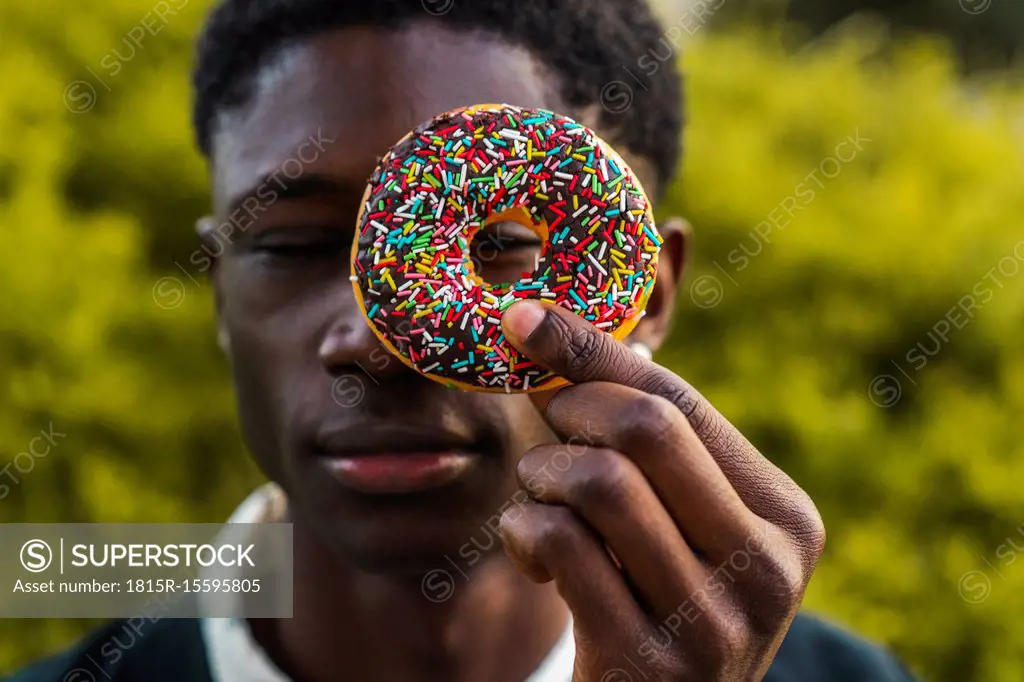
point(173, 651)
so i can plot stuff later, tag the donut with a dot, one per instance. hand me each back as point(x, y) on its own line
point(474, 166)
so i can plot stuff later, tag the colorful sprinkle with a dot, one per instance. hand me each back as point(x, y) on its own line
point(440, 184)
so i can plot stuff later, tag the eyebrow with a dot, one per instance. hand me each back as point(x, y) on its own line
point(308, 186)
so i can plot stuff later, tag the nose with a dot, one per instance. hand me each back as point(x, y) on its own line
point(350, 343)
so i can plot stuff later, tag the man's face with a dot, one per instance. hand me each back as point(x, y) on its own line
point(325, 410)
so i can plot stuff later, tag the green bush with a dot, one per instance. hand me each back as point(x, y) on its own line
point(96, 207)
point(986, 33)
point(826, 347)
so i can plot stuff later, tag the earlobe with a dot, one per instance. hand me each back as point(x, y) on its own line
point(642, 349)
point(224, 340)
point(205, 226)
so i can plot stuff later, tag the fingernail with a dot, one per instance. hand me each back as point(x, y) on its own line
point(522, 319)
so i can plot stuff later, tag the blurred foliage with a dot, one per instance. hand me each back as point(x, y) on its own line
point(97, 207)
point(824, 318)
point(986, 33)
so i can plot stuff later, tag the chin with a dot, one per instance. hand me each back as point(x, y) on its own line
point(449, 529)
point(412, 547)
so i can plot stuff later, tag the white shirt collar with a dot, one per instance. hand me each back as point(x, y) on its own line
point(234, 655)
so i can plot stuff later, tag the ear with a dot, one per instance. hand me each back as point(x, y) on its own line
point(657, 321)
point(212, 248)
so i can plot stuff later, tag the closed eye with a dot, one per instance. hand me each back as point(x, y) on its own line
point(293, 244)
point(504, 237)
point(299, 250)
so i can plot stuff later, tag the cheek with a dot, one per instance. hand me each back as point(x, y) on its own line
point(274, 315)
point(270, 377)
point(259, 370)
point(272, 327)
point(262, 348)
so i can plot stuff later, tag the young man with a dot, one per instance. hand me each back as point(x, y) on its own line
point(662, 547)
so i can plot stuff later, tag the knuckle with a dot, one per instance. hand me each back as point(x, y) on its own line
point(779, 577)
point(795, 512)
point(655, 379)
point(648, 417)
point(583, 349)
point(684, 397)
point(805, 526)
point(811, 533)
point(779, 589)
point(604, 482)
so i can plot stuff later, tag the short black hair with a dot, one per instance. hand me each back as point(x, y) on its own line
point(590, 44)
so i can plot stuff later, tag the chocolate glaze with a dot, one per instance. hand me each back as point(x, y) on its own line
point(442, 182)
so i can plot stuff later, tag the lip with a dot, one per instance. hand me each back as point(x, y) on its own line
point(386, 438)
point(394, 460)
point(398, 473)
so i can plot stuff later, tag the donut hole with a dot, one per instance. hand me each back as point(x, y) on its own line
point(506, 248)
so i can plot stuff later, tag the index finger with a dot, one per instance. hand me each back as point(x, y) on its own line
point(571, 347)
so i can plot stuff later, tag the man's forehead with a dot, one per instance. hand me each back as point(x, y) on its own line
point(363, 88)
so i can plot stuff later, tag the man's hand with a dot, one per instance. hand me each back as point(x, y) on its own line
point(681, 551)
